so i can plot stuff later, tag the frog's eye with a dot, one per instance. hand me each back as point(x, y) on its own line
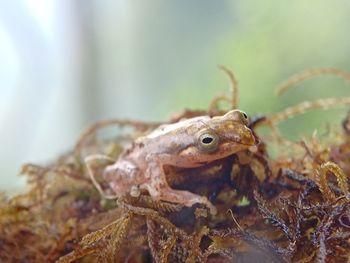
point(244, 117)
point(208, 141)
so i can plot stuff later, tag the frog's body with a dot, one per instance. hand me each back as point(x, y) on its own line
point(189, 143)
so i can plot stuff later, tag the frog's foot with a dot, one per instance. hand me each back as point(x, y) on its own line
point(181, 197)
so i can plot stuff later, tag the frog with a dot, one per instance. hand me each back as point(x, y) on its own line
point(188, 143)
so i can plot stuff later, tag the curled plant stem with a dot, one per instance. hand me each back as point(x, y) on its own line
point(341, 177)
point(322, 182)
point(309, 73)
point(303, 107)
point(213, 106)
point(233, 82)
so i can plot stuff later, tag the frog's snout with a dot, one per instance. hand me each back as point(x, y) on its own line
point(248, 138)
point(257, 140)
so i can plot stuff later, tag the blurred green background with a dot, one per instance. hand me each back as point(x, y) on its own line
point(64, 64)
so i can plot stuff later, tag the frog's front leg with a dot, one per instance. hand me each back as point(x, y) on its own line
point(158, 188)
point(124, 177)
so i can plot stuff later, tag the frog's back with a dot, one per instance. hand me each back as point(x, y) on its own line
point(172, 138)
point(179, 127)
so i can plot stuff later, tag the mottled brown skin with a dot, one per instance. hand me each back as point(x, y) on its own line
point(190, 143)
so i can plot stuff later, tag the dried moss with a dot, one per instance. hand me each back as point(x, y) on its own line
point(295, 208)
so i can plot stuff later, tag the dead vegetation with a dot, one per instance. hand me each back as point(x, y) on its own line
point(294, 208)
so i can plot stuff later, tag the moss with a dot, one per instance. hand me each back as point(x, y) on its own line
point(293, 208)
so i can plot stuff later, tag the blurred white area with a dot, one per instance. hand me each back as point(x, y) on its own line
point(66, 63)
point(40, 108)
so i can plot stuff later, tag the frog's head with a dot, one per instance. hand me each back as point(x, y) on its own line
point(222, 136)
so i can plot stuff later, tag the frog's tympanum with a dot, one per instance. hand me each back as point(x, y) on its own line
point(189, 143)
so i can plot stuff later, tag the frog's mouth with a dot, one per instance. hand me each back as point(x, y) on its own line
point(248, 140)
point(238, 143)
point(236, 146)
point(252, 147)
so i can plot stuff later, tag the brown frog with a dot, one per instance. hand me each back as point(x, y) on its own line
point(188, 143)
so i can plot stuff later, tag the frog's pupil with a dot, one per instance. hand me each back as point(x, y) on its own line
point(207, 140)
